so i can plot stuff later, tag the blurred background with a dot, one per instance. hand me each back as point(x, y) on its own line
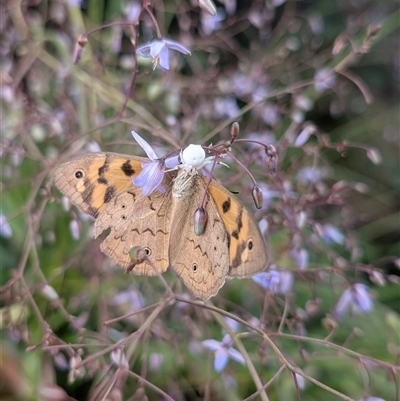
point(319, 80)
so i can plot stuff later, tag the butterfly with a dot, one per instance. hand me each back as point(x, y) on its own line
point(230, 244)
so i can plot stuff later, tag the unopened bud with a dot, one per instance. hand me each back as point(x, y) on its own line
point(374, 30)
point(272, 158)
point(235, 129)
point(374, 155)
point(257, 196)
point(339, 45)
point(200, 220)
point(80, 45)
point(138, 255)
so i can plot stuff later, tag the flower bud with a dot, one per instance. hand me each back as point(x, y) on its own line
point(80, 45)
point(235, 129)
point(200, 220)
point(257, 196)
point(272, 158)
point(138, 255)
point(374, 155)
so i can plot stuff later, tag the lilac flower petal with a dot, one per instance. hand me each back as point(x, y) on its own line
point(145, 146)
point(172, 162)
point(233, 324)
point(332, 234)
point(132, 11)
point(236, 355)
point(164, 57)
point(304, 135)
point(371, 399)
point(5, 228)
point(74, 229)
point(144, 50)
point(279, 282)
point(171, 44)
point(300, 256)
point(300, 381)
point(212, 345)
point(362, 300)
point(156, 48)
point(266, 279)
point(150, 178)
point(221, 359)
point(285, 283)
point(343, 304)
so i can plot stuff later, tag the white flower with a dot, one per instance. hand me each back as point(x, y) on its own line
point(223, 351)
point(158, 50)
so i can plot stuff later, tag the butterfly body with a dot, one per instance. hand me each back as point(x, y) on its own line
point(231, 244)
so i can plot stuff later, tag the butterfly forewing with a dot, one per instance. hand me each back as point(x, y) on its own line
point(92, 180)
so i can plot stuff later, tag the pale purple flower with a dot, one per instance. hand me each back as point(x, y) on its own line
point(5, 228)
point(330, 234)
point(132, 11)
point(211, 23)
point(49, 292)
point(371, 399)
point(312, 175)
point(304, 135)
point(241, 84)
point(230, 6)
point(74, 229)
point(232, 323)
point(93, 147)
point(223, 351)
point(316, 23)
point(357, 297)
point(324, 79)
point(270, 114)
point(155, 361)
point(277, 281)
point(150, 178)
point(300, 381)
point(263, 225)
point(118, 359)
point(75, 3)
point(159, 51)
point(60, 361)
point(225, 107)
point(132, 297)
point(300, 257)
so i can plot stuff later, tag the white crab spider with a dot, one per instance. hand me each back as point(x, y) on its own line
point(193, 158)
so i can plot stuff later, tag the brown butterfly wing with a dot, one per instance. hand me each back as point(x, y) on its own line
point(100, 184)
point(91, 180)
point(135, 220)
point(247, 249)
point(201, 261)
